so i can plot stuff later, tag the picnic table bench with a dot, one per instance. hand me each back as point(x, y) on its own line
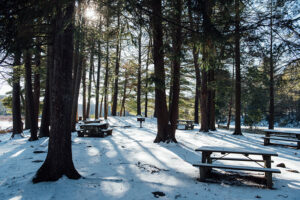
point(188, 124)
point(207, 161)
point(92, 121)
point(281, 135)
point(94, 129)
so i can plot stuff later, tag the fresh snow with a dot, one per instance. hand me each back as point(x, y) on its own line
point(128, 165)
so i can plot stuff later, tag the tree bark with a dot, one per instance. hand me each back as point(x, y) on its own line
point(147, 76)
point(16, 103)
point(211, 101)
point(37, 83)
point(106, 71)
point(30, 98)
point(45, 122)
point(90, 81)
point(159, 72)
point(59, 158)
point(116, 83)
point(271, 89)
point(98, 81)
point(83, 87)
point(138, 98)
point(176, 58)
point(237, 130)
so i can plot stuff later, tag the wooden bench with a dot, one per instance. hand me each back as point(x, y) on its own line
point(188, 124)
point(268, 171)
point(206, 163)
point(280, 135)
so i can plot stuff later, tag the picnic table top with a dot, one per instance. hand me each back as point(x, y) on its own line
point(236, 150)
point(292, 132)
point(94, 124)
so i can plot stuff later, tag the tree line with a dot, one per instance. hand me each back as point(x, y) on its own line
point(170, 58)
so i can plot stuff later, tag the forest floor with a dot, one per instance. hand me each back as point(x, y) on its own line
point(128, 165)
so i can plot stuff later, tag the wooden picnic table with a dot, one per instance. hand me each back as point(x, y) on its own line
point(207, 161)
point(270, 133)
point(188, 124)
point(94, 129)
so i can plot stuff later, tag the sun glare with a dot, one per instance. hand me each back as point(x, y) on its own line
point(91, 14)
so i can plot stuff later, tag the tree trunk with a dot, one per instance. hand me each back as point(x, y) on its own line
point(231, 99)
point(83, 88)
point(106, 72)
point(45, 122)
point(77, 71)
point(196, 65)
point(59, 158)
point(122, 111)
point(98, 81)
point(237, 130)
point(159, 72)
point(116, 84)
point(271, 106)
point(16, 104)
point(90, 81)
point(138, 98)
point(176, 60)
point(30, 97)
point(211, 101)
point(37, 83)
point(147, 77)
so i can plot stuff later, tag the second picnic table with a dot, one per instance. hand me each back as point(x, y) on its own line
point(280, 136)
point(206, 163)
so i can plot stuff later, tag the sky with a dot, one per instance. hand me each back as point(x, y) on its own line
point(4, 87)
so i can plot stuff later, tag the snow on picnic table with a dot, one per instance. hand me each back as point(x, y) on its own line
point(128, 165)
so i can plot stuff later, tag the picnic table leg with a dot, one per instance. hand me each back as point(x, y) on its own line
point(267, 140)
point(268, 175)
point(206, 159)
point(141, 124)
point(298, 143)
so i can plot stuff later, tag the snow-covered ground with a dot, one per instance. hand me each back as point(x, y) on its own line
point(128, 165)
point(4, 124)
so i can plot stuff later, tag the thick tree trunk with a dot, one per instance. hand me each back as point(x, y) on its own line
point(30, 98)
point(159, 72)
point(16, 103)
point(98, 81)
point(237, 130)
point(138, 97)
point(45, 122)
point(59, 158)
